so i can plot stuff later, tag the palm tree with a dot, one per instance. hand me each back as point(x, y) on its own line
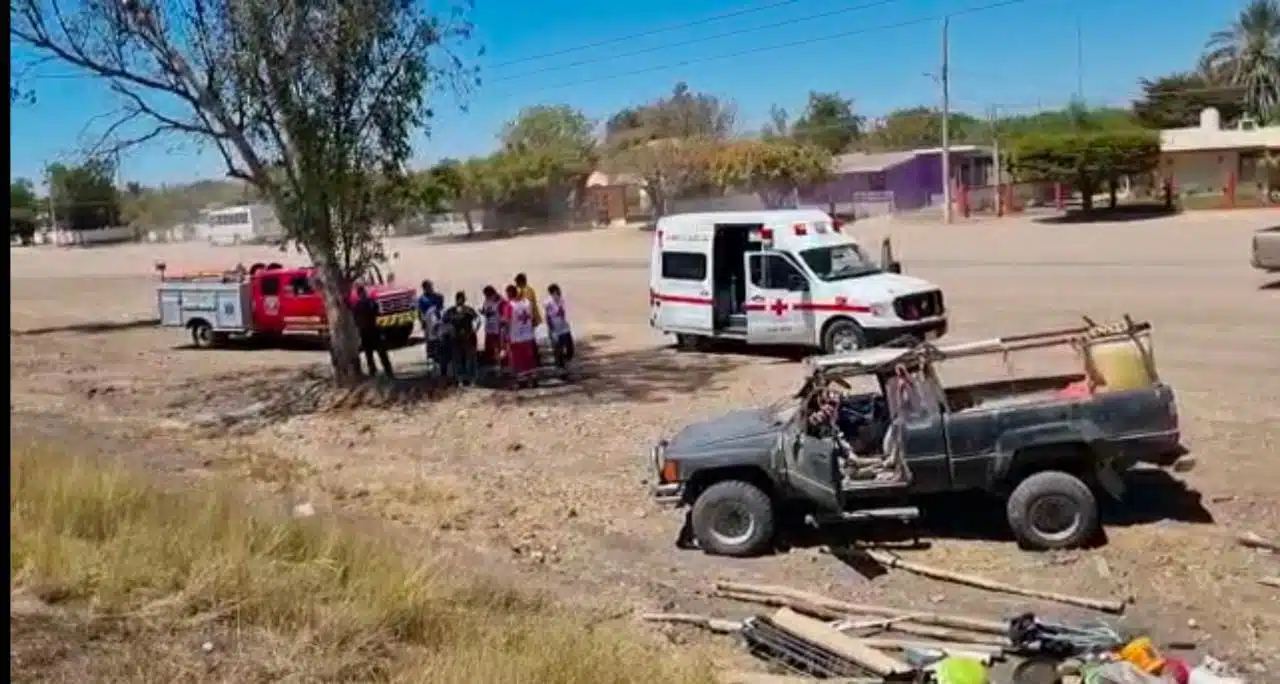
point(1247, 54)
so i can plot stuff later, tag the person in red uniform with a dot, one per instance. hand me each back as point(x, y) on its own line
point(522, 345)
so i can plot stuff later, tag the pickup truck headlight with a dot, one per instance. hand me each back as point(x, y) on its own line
point(880, 310)
point(666, 471)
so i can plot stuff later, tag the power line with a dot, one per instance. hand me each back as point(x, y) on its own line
point(648, 32)
point(699, 40)
point(790, 44)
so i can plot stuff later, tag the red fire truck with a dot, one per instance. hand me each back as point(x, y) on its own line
point(268, 300)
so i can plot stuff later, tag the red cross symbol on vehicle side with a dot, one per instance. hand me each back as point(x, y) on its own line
point(778, 307)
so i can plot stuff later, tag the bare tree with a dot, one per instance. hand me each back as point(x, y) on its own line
point(312, 102)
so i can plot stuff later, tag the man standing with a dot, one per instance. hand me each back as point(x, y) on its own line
point(366, 315)
point(430, 309)
point(463, 322)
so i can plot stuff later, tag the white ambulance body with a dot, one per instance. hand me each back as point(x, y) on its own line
point(781, 277)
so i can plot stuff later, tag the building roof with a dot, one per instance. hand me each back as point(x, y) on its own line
point(863, 162)
point(1204, 139)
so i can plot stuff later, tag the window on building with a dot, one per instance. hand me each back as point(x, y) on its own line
point(877, 182)
point(684, 266)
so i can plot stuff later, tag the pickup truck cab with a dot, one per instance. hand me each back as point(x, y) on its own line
point(782, 277)
point(268, 300)
point(1046, 445)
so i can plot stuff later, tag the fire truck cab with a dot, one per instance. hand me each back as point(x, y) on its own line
point(782, 277)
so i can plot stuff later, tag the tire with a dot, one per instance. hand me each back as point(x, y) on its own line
point(733, 518)
point(1069, 504)
point(202, 336)
point(690, 342)
point(399, 336)
point(843, 335)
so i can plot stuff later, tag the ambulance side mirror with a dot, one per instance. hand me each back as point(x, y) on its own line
point(887, 262)
point(798, 284)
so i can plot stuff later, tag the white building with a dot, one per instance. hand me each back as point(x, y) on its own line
point(1206, 159)
point(239, 224)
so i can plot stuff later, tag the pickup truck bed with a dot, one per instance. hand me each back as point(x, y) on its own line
point(1266, 250)
point(226, 306)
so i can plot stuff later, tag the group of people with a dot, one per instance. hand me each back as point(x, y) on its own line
point(509, 320)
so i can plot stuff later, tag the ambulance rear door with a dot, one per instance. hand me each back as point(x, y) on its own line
point(680, 293)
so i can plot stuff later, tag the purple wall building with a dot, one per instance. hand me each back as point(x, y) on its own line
point(867, 184)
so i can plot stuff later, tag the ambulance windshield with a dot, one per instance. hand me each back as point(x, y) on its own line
point(839, 262)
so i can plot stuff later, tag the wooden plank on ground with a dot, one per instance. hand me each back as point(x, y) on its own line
point(821, 634)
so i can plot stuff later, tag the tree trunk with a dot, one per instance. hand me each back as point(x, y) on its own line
point(1113, 188)
point(344, 339)
point(1086, 188)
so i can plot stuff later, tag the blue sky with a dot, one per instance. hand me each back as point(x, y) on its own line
point(1019, 57)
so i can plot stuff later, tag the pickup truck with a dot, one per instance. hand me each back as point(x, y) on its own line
point(268, 300)
point(1266, 249)
point(1046, 445)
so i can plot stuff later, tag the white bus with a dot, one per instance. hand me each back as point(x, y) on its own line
point(241, 224)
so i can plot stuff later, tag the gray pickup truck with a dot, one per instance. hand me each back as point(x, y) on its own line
point(1044, 444)
point(1266, 250)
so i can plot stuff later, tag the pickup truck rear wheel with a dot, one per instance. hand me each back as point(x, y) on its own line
point(843, 335)
point(202, 335)
point(733, 518)
point(1052, 510)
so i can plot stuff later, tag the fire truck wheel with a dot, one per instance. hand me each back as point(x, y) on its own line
point(202, 334)
point(399, 336)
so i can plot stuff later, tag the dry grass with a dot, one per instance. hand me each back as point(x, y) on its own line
point(123, 580)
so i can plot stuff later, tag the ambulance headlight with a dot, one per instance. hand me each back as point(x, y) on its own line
point(881, 310)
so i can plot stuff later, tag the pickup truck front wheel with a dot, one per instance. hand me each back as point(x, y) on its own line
point(1052, 510)
point(733, 518)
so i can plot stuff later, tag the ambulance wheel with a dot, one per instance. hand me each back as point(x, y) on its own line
point(691, 342)
point(843, 335)
point(202, 335)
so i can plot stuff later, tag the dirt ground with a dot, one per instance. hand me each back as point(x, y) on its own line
point(550, 485)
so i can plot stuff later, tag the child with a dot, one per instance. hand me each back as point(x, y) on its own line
point(462, 321)
point(522, 345)
point(491, 309)
point(558, 327)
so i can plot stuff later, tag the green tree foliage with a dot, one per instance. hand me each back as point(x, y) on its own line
point(1085, 160)
point(1247, 54)
point(313, 102)
point(667, 145)
point(921, 127)
point(166, 206)
point(1074, 118)
point(769, 168)
point(828, 122)
point(1176, 100)
point(24, 206)
point(84, 196)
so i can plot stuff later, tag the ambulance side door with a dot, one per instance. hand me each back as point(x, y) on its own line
point(682, 295)
point(777, 295)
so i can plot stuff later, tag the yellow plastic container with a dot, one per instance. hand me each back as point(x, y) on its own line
point(1122, 364)
point(1143, 655)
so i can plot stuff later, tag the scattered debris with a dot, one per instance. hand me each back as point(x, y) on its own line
point(891, 561)
point(1253, 541)
point(717, 625)
point(1270, 581)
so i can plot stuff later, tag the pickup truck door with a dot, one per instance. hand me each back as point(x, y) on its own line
point(813, 469)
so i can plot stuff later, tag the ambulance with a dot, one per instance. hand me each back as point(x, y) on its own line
point(782, 277)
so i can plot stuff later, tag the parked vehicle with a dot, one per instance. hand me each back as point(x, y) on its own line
point(1046, 445)
point(1266, 249)
point(268, 300)
point(785, 277)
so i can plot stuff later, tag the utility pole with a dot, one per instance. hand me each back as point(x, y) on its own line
point(946, 116)
point(994, 115)
point(1079, 62)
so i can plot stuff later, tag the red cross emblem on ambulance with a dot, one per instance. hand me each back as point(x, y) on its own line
point(778, 307)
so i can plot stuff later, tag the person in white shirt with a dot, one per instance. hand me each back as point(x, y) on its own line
point(558, 326)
